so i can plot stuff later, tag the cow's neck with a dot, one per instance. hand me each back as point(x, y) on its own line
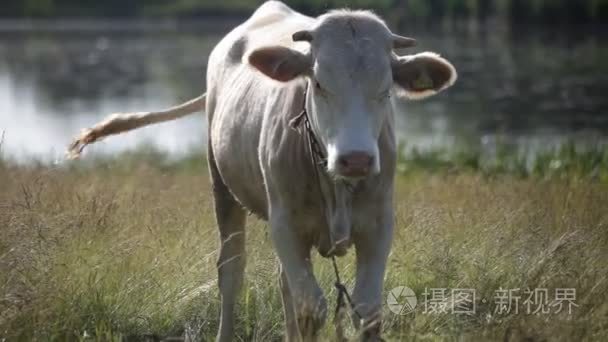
point(336, 195)
point(338, 214)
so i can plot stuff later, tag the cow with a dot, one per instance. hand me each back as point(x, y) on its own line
point(341, 72)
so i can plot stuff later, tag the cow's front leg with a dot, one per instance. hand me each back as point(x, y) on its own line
point(308, 303)
point(291, 326)
point(372, 248)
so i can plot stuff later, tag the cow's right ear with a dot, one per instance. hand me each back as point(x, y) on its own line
point(279, 63)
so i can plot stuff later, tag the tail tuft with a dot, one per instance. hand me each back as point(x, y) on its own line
point(76, 147)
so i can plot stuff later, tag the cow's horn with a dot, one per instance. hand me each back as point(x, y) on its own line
point(303, 35)
point(400, 42)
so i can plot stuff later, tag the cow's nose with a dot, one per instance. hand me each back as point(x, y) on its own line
point(355, 164)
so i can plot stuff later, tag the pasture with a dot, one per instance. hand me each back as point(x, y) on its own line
point(124, 248)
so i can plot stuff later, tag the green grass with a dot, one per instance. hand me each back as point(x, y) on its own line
point(566, 161)
point(124, 249)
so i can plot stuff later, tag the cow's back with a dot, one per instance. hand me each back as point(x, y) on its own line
point(239, 99)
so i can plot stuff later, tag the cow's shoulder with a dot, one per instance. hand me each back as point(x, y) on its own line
point(269, 13)
point(273, 23)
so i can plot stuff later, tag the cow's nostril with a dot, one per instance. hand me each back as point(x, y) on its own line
point(343, 161)
point(355, 163)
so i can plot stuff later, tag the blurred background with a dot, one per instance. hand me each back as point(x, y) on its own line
point(533, 73)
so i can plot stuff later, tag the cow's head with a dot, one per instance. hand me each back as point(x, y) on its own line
point(353, 71)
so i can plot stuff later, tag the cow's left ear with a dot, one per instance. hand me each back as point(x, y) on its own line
point(279, 63)
point(423, 75)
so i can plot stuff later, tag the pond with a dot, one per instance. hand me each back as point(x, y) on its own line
point(532, 89)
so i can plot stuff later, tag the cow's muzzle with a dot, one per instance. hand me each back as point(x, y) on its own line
point(355, 164)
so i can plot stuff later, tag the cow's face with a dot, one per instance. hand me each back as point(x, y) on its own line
point(352, 73)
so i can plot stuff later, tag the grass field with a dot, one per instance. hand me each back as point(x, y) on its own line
point(125, 249)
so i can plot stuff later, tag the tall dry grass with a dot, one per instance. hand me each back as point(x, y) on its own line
point(125, 249)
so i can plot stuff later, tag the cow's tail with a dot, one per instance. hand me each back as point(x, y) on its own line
point(123, 122)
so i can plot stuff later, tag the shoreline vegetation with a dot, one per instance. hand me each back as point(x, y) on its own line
point(567, 160)
point(124, 248)
point(514, 12)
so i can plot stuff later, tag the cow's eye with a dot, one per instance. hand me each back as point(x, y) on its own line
point(318, 85)
point(384, 95)
point(320, 89)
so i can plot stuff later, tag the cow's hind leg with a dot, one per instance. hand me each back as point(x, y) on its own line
point(230, 218)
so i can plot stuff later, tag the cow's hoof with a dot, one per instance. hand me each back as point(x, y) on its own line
point(311, 318)
point(372, 334)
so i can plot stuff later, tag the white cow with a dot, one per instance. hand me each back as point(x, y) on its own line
point(342, 70)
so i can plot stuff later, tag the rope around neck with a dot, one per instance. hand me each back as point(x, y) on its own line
point(319, 160)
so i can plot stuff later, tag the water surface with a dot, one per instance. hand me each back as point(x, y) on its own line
point(532, 89)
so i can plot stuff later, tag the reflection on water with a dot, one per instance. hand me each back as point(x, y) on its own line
point(526, 89)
